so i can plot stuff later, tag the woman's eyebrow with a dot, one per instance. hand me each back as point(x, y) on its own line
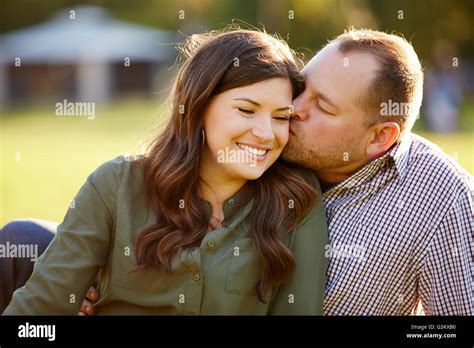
point(257, 104)
point(289, 107)
point(249, 100)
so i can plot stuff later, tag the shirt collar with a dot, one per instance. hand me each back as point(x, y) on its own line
point(397, 156)
point(400, 155)
point(234, 207)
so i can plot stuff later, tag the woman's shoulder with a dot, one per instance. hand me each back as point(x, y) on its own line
point(311, 177)
point(317, 214)
point(122, 173)
point(118, 168)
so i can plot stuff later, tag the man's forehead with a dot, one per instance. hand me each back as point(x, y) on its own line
point(341, 76)
point(333, 66)
point(317, 69)
point(318, 58)
point(352, 61)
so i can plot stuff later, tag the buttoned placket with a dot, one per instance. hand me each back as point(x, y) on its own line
point(201, 258)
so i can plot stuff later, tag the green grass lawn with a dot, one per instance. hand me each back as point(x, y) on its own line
point(56, 153)
point(46, 158)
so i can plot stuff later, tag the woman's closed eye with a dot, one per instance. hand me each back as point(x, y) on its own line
point(282, 118)
point(250, 112)
point(246, 111)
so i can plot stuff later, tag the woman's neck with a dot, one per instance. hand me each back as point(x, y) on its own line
point(216, 191)
point(216, 188)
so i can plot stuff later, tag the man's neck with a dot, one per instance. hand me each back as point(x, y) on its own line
point(331, 178)
point(326, 186)
point(334, 177)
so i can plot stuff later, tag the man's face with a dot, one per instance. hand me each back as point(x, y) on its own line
point(330, 131)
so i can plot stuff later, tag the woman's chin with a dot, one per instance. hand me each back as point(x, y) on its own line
point(248, 172)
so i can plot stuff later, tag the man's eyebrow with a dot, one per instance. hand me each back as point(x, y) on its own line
point(257, 104)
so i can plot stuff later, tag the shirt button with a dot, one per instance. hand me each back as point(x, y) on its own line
point(196, 276)
point(231, 201)
point(211, 243)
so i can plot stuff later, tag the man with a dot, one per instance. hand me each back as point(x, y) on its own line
point(400, 212)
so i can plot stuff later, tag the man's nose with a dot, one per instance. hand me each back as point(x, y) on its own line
point(299, 111)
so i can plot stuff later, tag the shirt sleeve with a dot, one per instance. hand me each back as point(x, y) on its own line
point(64, 272)
point(446, 278)
point(303, 294)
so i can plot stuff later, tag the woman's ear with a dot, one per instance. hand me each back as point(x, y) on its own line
point(385, 134)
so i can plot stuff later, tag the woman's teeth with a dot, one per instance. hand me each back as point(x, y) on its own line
point(252, 150)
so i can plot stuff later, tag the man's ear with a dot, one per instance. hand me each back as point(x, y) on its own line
point(384, 135)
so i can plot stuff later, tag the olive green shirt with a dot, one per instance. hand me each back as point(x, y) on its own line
point(95, 241)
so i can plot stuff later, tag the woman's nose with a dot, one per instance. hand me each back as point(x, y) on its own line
point(264, 130)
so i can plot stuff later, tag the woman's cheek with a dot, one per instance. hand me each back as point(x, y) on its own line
point(282, 135)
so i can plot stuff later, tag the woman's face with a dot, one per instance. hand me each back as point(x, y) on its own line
point(246, 128)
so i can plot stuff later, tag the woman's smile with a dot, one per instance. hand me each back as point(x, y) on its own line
point(257, 151)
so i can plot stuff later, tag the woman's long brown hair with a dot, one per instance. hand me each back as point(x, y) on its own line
point(282, 196)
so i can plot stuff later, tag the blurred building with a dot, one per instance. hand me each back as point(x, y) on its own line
point(81, 54)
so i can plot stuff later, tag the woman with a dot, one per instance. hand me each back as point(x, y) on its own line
point(210, 221)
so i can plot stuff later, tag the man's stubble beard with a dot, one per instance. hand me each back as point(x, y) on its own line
point(323, 157)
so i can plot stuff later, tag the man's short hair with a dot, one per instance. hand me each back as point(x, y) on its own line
point(396, 91)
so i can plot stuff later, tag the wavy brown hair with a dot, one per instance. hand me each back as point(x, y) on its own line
point(282, 196)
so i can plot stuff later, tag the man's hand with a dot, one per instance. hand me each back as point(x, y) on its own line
point(91, 297)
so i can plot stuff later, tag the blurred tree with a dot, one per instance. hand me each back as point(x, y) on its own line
point(427, 22)
point(306, 23)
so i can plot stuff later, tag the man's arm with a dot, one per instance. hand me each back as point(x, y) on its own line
point(446, 278)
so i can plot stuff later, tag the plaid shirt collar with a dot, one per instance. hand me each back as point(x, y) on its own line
point(397, 158)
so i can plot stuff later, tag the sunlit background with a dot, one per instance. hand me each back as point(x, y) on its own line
point(119, 57)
